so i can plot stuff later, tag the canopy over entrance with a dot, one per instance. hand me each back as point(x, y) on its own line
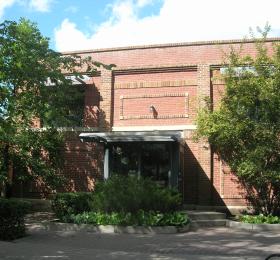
point(139, 136)
point(153, 154)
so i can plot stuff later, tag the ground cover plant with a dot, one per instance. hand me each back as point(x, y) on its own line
point(259, 219)
point(139, 218)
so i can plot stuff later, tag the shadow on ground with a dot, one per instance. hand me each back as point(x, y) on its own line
point(218, 243)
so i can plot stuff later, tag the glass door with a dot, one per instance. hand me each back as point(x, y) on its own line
point(156, 162)
point(153, 160)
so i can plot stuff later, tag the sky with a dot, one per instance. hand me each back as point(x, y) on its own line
point(90, 24)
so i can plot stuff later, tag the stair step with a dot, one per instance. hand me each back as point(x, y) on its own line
point(208, 223)
point(205, 215)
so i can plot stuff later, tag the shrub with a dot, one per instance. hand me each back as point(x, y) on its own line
point(130, 194)
point(259, 219)
point(65, 204)
point(140, 218)
point(12, 218)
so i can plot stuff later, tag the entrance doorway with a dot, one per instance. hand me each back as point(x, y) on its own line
point(156, 160)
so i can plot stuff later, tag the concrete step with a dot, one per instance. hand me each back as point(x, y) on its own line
point(206, 219)
point(205, 215)
point(207, 223)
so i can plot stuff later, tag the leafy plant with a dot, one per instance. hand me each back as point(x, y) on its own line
point(34, 91)
point(66, 204)
point(244, 130)
point(259, 219)
point(140, 218)
point(12, 218)
point(130, 194)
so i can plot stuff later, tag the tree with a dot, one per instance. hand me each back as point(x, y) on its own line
point(33, 87)
point(245, 129)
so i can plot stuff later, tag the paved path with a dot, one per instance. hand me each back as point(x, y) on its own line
point(213, 244)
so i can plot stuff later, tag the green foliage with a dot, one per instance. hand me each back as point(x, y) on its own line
point(130, 194)
point(12, 218)
point(244, 130)
point(33, 86)
point(139, 218)
point(122, 200)
point(66, 204)
point(259, 219)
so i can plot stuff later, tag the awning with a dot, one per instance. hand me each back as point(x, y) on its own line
point(137, 136)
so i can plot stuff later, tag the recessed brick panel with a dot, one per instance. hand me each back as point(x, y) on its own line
point(172, 103)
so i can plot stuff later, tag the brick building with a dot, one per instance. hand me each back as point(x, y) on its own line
point(140, 116)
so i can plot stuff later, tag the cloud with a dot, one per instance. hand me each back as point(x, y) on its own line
point(177, 21)
point(68, 32)
point(5, 4)
point(40, 5)
point(71, 9)
point(142, 3)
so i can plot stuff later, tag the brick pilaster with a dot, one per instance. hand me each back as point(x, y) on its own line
point(105, 114)
point(204, 151)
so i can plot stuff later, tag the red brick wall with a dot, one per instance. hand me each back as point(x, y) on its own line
point(170, 55)
point(191, 168)
point(83, 163)
point(92, 99)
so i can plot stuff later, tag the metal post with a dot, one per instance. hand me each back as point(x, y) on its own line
point(139, 163)
point(106, 163)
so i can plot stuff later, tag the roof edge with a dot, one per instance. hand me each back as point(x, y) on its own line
point(167, 45)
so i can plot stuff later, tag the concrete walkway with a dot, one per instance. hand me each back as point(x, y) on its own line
point(211, 243)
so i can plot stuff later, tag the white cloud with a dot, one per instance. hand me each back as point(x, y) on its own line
point(5, 4)
point(69, 33)
point(71, 9)
point(40, 5)
point(142, 3)
point(177, 21)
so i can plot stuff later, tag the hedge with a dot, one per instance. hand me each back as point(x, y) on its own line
point(66, 204)
point(12, 218)
point(131, 194)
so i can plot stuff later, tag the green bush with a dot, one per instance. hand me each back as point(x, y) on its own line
point(130, 194)
point(12, 218)
point(259, 219)
point(65, 204)
point(140, 218)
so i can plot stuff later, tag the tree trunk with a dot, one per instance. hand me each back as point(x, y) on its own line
point(6, 186)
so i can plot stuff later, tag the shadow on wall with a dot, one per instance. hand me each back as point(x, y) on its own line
point(199, 188)
point(83, 162)
point(83, 165)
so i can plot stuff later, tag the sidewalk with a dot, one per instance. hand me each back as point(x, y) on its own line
point(211, 243)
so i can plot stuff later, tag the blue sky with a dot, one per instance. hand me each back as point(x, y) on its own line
point(89, 24)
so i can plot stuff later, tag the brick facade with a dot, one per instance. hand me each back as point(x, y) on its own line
point(174, 79)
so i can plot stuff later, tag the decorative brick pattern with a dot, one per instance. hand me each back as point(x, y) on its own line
point(146, 96)
point(156, 84)
point(150, 96)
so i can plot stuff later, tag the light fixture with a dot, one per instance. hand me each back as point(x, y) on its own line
point(152, 108)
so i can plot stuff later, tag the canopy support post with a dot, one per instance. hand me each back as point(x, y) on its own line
point(106, 162)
